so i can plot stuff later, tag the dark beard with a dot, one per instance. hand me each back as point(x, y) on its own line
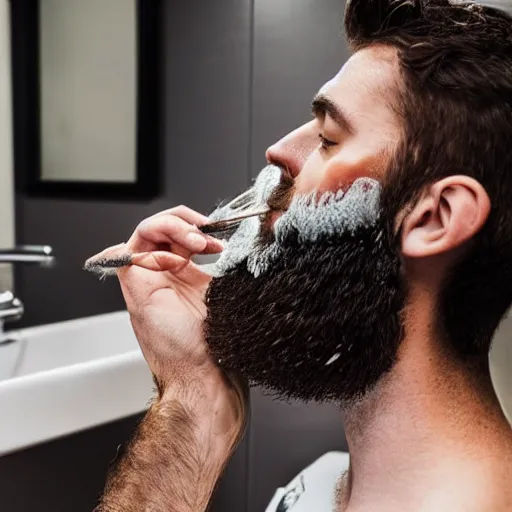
point(321, 324)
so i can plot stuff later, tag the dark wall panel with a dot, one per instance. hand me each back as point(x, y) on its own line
point(238, 75)
point(64, 475)
point(206, 70)
point(298, 46)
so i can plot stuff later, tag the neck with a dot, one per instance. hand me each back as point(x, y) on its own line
point(429, 424)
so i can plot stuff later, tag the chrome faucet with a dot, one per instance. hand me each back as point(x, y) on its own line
point(11, 308)
point(40, 254)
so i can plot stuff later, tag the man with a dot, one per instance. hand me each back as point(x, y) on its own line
point(388, 310)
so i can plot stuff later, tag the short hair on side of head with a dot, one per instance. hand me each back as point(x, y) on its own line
point(455, 103)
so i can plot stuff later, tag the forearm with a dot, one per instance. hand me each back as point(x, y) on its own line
point(175, 459)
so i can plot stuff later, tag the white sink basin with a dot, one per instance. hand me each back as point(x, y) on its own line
point(65, 377)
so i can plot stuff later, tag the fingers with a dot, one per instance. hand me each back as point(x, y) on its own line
point(169, 229)
point(140, 280)
point(111, 257)
point(176, 228)
point(160, 261)
point(165, 241)
point(185, 213)
point(163, 261)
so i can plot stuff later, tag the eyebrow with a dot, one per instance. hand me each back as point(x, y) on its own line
point(323, 105)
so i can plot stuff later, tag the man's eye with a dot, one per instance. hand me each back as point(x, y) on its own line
point(326, 143)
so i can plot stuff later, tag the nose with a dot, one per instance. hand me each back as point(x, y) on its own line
point(293, 150)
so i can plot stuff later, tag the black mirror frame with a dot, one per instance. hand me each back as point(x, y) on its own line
point(26, 110)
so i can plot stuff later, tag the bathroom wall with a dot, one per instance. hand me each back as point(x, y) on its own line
point(297, 46)
point(204, 139)
point(501, 365)
point(6, 170)
point(237, 74)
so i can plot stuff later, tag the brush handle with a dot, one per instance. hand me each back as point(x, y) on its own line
point(220, 226)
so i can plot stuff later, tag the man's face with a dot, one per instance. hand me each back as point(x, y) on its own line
point(321, 321)
point(365, 130)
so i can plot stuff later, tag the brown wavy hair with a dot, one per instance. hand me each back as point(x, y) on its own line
point(455, 103)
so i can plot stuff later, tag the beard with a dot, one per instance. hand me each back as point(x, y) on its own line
point(310, 309)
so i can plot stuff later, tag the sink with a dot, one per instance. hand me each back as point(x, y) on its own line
point(65, 377)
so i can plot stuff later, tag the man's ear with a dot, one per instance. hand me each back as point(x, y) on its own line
point(449, 213)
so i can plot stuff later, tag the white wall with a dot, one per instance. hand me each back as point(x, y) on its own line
point(501, 364)
point(6, 167)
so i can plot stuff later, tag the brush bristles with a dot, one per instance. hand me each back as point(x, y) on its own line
point(251, 203)
point(105, 267)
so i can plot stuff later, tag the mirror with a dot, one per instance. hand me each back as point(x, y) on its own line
point(86, 76)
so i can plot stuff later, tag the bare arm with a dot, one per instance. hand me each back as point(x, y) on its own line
point(186, 439)
point(177, 455)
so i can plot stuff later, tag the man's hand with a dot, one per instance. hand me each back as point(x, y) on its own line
point(164, 292)
point(199, 416)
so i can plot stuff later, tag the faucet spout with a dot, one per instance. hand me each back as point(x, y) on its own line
point(11, 308)
point(39, 254)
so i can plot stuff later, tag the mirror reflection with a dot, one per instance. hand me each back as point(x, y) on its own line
point(88, 74)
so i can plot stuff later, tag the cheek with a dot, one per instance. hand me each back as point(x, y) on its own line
point(325, 173)
point(311, 174)
point(347, 168)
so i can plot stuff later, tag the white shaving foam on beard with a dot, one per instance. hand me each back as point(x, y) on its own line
point(312, 216)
